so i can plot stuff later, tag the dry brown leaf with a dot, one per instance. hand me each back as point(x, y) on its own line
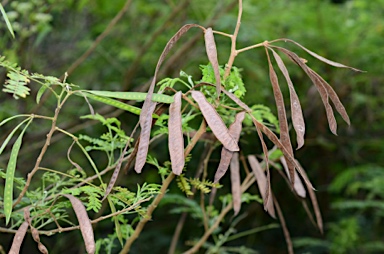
point(297, 185)
point(175, 135)
point(18, 238)
point(262, 184)
point(296, 111)
point(210, 47)
point(215, 122)
point(149, 106)
point(323, 59)
point(84, 223)
point(235, 183)
point(284, 130)
point(226, 155)
point(319, 85)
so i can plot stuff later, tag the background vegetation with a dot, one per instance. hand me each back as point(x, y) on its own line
point(347, 170)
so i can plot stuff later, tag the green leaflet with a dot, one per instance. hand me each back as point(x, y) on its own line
point(162, 98)
point(8, 190)
point(115, 103)
point(9, 26)
point(12, 132)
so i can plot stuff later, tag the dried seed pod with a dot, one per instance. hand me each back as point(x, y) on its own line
point(84, 223)
point(284, 130)
point(210, 47)
point(215, 122)
point(226, 155)
point(296, 111)
point(297, 185)
point(235, 183)
point(18, 238)
point(175, 136)
point(149, 106)
point(262, 184)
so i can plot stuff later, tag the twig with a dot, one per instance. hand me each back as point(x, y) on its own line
point(158, 198)
point(59, 230)
point(233, 39)
point(43, 150)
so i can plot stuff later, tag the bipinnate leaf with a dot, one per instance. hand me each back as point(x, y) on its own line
point(296, 111)
point(210, 47)
point(323, 59)
point(215, 122)
point(284, 130)
point(226, 155)
point(84, 223)
point(149, 106)
point(235, 183)
point(262, 184)
point(18, 238)
point(175, 135)
point(298, 184)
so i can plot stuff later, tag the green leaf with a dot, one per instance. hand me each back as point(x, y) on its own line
point(17, 84)
point(10, 134)
point(8, 190)
point(136, 96)
point(9, 26)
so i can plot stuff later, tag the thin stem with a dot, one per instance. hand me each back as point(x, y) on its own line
point(164, 187)
point(43, 150)
point(233, 39)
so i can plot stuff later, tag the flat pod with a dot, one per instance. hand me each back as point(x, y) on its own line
point(175, 136)
point(18, 238)
point(226, 155)
point(215, 122)
point(235, 183)
point(262, 184)
point(149, 106)
point(84, 223)
point(210, 47)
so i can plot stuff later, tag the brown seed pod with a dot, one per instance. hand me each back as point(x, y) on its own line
point(235, 183)
point(215, 122)
point(210, 47)
point(149, 106)
point(84, 223)
point(175, 135)
point(18, 238)
point(262, 184)
point(226, 155)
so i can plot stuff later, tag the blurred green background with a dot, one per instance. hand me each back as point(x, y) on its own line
point(347, 170)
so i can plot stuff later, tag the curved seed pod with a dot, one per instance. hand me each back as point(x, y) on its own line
point(175, 136)
point(271, 136)
point(334, 98)
point(226, 155)
point(284, 130)
point(84, 223)
point(215, 122)
point(262, 184)
point(210, 47)
point(18, 238)
point(42, 248)
point(296, 111)
point(149, 106)
point(235, 183)
point(319, 85)
point(323, 59)
point(297, 185)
